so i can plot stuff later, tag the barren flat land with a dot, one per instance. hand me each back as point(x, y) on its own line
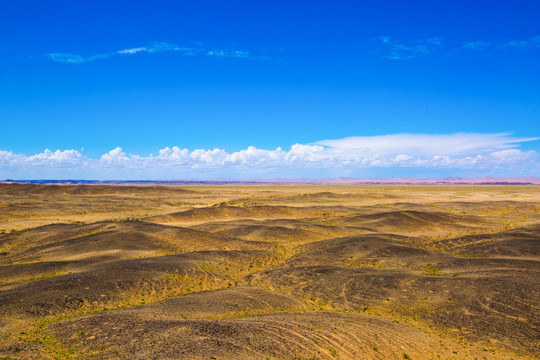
point(269, 272)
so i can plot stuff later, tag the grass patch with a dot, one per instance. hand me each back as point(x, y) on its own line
point(430, 270)
point(50, 342)
point(35, 278)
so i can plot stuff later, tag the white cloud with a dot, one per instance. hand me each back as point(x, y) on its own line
point(476, 45)
point(403, 157)
point(448, 154)
point(307, 153)
point(56, 156)
point(133, 50)
point(513, 155)
point(202, 157)
point(241, 54)
point(158, 47)
point(521, 44)
point(394, 50)
point(116, 155)
point(257, 157)
point(6, 156)
point(66, 58)
point(500, 45)
point(424, 145)
point(173, 154)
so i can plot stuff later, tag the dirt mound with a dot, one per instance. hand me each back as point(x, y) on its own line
point(383, 250)
point(238, 212)
point(235, 301)
point(125, 239)
point(46, 234)
point(412, 220)
point(37, 270)
point(277, 229)
point(477, 305)
point(262, 232)
point(36, 189)
point(126, 282)
point(274, 233)
point(519, 243)
point(112, 238)
point(285, 336)
point(327, 195)
point(332, 197)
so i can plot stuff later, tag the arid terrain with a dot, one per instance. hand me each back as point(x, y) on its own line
point(269, 272)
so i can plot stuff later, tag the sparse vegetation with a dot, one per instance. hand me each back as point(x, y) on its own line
point(431, 270)
point(281, 272)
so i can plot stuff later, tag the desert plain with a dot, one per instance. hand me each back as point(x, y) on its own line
point(269, 272)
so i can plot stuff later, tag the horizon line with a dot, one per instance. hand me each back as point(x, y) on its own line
point(276, 181)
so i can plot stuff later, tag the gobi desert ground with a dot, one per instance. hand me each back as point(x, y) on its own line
point(269, 272)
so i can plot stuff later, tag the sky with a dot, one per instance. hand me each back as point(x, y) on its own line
point(130, 90)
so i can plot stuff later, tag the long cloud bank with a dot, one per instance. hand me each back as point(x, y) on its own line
point(399, 154)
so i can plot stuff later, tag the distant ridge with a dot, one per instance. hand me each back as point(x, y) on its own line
point(486, 180)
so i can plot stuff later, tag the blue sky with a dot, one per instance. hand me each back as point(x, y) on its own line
point(243, 89)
